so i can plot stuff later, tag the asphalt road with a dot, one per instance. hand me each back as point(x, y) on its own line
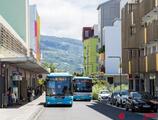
point(92, 111)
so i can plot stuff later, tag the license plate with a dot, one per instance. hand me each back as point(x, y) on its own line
point(59, 102)
point(146, 106)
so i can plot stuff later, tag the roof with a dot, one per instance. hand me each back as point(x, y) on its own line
point(106, 2)
point(82, 78)
point(103, 4)
point(28, 63)
point(64, 74)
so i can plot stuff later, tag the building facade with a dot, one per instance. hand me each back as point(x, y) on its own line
point(90, 50)
point(18, 68)
point(108, 13)
point(140, 45)
point(112, 38)
point(34, 43)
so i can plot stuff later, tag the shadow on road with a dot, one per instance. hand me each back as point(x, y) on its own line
point(120, 114)
point(55, 106)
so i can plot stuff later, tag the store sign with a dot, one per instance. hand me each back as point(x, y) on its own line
point(17, 78)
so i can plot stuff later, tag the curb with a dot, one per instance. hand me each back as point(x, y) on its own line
point(35, 115)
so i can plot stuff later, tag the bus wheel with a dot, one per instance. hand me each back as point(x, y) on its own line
point(70, 105)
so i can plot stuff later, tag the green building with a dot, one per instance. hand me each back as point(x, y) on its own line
point(90, 56)
point(15, 13)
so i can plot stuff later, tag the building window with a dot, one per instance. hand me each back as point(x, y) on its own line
point(154, 49)
point(86, 33)
point(149, 50)
point(142, 51)
point(129, 54)
point(145, 51)
point(132, 29)
point(130, 8)
point(134, 53)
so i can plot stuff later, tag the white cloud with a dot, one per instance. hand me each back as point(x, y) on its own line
point(65, 18)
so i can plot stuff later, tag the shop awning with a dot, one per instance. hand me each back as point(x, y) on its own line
point(28, 63)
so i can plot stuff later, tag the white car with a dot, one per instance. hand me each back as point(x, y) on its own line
point(104, 95)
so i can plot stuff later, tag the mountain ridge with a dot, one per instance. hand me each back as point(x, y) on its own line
point(66, 53)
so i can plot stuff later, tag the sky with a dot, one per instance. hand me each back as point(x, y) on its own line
point(66, 18)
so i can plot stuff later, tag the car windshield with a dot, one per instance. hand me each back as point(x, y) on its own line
point(115, 93)
point(59, 86)
point(83, 85)
point(124, 93)
point(104, 92)
point(147, 96)
point(137, 95)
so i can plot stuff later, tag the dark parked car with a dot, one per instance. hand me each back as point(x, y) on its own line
point(137, 101)
point(113, 97)
point(151, 100)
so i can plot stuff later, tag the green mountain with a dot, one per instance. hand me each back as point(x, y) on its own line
point(65, 53)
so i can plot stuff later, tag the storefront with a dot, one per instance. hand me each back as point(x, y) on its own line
point(19, 74)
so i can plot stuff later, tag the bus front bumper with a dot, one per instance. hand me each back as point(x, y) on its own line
point(67, 100)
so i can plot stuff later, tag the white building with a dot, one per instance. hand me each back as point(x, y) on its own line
point(112, 38)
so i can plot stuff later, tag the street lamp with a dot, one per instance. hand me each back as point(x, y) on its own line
point(118, 57)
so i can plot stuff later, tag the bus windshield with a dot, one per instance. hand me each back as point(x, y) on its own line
point(59, 86)
point(83, 85)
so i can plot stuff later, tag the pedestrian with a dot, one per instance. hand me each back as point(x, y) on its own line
point(29, 94)
point(14, 98)
point(32, 95)
point(9, 94)
point(37, 91)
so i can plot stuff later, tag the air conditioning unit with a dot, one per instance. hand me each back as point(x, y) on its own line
point(17, 78)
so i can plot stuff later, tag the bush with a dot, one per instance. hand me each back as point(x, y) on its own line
point(99, 85)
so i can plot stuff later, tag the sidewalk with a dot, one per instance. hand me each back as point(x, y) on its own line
point(26, 112)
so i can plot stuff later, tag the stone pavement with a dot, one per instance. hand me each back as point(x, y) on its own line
point(26, 112)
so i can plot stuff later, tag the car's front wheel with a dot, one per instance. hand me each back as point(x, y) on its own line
point(117, 104)
point(133, 109)
point(127, 108)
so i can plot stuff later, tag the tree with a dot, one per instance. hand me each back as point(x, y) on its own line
point(49, 66)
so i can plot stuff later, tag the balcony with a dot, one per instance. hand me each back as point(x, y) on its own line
point(150, 10)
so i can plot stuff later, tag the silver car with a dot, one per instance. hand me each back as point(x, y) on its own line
point(122, 98)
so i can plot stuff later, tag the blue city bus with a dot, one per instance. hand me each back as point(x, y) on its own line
point(59, 89)
point(82, 88)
